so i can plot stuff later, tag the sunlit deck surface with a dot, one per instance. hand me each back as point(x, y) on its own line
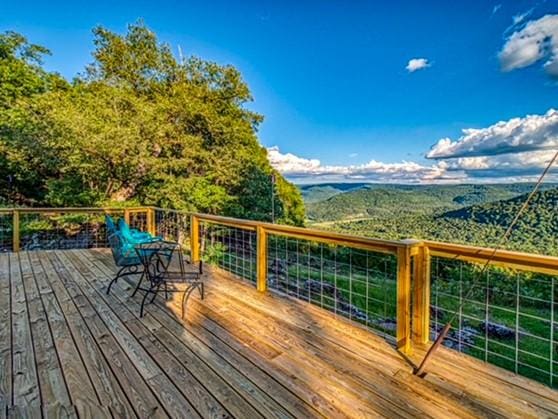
point(69, 349)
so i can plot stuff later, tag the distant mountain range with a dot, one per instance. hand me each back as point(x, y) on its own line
point(471, 214)
point(335, 202)
point(542, 212)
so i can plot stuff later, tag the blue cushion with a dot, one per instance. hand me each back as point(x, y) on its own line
point(129, 236)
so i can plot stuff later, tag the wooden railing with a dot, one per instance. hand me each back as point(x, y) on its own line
point(403, 250)
point(413, 266)
point(411, 273)
point(16, 215)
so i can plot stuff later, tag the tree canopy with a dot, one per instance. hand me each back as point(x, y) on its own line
point(137, 125)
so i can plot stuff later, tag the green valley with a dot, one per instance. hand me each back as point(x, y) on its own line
point(468, 214)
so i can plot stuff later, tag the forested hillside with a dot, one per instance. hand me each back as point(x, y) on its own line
point(438, 213)
point(137, 126)
point(539, 218)
point(397, 200)
point(321, 192)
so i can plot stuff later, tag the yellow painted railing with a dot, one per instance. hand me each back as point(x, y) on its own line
point(16, 216)
point(413, 265)
point(413, 271)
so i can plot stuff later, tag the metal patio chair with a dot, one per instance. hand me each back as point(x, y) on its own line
point(157, 259)
point(125, 257)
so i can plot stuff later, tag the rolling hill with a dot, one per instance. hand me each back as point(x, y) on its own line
point(541, 213)
point(469, 214)
point(397, 200)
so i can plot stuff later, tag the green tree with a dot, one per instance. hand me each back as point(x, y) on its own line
point(139, 125)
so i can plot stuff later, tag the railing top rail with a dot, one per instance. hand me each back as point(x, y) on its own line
point(323, 236)
point(69, 209)
point(506, 258)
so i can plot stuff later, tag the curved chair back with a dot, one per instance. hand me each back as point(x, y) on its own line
point(124, 228)
point(123, 251)
point(111, 227)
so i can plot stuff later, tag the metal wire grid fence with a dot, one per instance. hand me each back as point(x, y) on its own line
point(510, 318)
point(138, 220)
point(173, 225)
point(357, 284)
point(231, 249)
point(60, 230)
point(6, 232)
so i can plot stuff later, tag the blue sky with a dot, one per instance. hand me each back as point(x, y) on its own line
point(330, 77)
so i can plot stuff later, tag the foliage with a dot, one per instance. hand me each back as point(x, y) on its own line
point(214, 253)
point(136, 125)
point(374, 200)
point(400, 212)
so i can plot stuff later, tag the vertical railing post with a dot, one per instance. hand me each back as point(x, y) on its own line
point(421, 296)
point(151, 221)
point(403, 333)
point(15, 231)
point(261, 259)
point(194, 238)
point(127, 215)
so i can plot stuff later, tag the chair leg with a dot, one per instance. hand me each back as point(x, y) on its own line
point(143, 301)
point(118, 275)
point(166, 292)
point(138, 285)
point(201, 288)
point(155, 293)
point(147, 292)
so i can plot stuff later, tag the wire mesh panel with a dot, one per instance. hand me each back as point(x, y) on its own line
point(508, 319)
point(357, 284)
point(173, 225)
point(6, 232)
point(138, 219)
point(232, 249)
point(63, 230)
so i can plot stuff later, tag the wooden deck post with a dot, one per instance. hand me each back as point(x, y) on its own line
point(151, 228)
point(421, 296)
point(261, 259)
point(403, 333)
point(194, 238)
point(15, 231)
point(127, 216)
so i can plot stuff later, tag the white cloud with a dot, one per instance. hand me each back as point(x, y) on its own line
point(516, 150)
point(530, 133)
point(523, 166)
point(416, 64)
point(517, 19)
point(537, 40)
point(496, 8)
point(302, 169)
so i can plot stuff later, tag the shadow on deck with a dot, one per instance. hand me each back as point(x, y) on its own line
point(69, 349)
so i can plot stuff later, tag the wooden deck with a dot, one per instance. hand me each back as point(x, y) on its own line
point(69, 350)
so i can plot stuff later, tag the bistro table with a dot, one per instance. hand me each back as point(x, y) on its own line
point(159, 260)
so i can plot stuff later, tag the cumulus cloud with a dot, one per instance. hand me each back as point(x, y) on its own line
point(302, 169)
point(516, 150)
point(416, 64)
point(524, 166)
point(530, 133)
point(536, 40)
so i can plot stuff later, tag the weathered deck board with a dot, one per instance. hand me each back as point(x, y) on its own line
point(25, 380)
point(5, 336)
point(67, 348)
point(54, 391)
